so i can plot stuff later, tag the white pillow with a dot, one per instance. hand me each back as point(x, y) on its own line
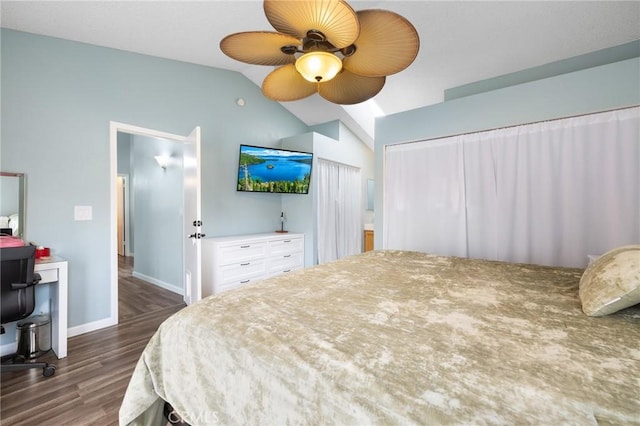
point(14, 223)
point(611, 282)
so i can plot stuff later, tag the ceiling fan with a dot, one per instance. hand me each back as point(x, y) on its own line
point(325, 46)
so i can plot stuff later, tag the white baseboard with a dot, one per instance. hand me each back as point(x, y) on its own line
point(91, 326)
point(159, 283)
point(12, 347)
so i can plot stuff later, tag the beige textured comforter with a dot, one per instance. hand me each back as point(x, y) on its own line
point(393, 337)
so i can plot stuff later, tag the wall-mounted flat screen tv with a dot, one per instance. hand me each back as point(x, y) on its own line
point(274, 170)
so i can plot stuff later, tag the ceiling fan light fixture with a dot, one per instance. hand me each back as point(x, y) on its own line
point(318, 66)
point(326, 41)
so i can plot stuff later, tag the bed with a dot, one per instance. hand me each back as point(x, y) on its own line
point(394, 337)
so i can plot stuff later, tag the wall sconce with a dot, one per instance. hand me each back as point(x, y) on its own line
point(163, 160)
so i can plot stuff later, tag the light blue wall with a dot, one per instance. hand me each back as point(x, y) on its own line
point(330, 129)
point(124, 153)
point(588, 60)
point(591, 90)
point(157, 196)
point(58, 98)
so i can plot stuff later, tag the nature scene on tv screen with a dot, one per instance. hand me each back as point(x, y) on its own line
point(273, 170)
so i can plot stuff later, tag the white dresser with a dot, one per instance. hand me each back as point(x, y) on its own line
point(230, 262)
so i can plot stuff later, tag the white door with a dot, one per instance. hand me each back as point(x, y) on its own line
point(192, 219)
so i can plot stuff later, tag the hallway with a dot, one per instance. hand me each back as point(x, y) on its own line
point(138, 297)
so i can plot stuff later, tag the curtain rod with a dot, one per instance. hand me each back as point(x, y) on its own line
point(512, 126)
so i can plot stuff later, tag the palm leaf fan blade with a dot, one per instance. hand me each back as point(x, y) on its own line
point(348, 88)
point(259, 47)
point(387, 44)
point(333, 18)
point(286, 84)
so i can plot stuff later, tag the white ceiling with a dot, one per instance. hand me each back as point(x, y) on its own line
point(461, 42)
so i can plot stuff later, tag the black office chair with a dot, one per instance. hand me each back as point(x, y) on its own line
point(18, 299)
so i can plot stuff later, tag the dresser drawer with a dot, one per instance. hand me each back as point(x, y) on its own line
point(233, 261)
point(236, 283)
point(242, 252)
point(48, 275)
point(287, 246)
point(242, 271)
point(285, 262)
point(284, 271)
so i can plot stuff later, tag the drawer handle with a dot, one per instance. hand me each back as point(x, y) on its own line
point(288, 255)
point(245, 246)
point(286, 241)
point(245, 264)
point(287, 270)
point(244, 282)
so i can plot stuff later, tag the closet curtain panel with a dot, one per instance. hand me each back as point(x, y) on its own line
point(424, 198)
point(339, 211)
point(349, 212)
point(327, 216)
point(548, 193)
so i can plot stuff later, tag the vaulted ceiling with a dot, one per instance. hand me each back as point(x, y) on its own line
point(461, 41)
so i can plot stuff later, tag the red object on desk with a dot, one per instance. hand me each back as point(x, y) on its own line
point(42, 252)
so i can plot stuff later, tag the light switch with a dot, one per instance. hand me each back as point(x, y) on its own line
point(83, 213)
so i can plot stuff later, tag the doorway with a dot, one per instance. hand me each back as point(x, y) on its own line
point(186, 282)
point(136, 295)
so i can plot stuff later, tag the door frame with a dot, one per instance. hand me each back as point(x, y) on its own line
point(125, 213)
point(114, 128)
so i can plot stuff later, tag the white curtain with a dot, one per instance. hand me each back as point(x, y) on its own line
point(547, 193)
point(423, 196)
point(338, 211)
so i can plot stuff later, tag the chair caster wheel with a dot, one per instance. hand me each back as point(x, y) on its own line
point(49, 370)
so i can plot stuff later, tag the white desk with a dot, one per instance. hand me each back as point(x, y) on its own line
point(54, 271)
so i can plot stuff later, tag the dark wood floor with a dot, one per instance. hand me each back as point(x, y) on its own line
point(89, 384)
point(136, 297)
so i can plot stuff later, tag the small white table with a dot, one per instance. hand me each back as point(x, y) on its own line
point(54, 272)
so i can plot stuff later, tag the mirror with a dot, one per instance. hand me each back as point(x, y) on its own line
point(370, 194)
point(12, 203)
